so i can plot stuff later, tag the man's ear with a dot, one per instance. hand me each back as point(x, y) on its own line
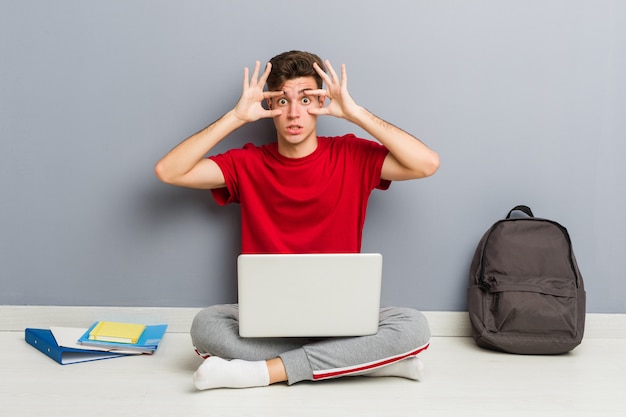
point(268, 103)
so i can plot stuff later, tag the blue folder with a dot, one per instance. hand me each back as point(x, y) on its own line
point(44, 341)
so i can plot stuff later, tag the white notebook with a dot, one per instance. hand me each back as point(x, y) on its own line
point(309, 295)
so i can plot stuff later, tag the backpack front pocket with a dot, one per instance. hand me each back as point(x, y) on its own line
point(531, 306)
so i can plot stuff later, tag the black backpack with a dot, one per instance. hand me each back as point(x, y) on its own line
point(526, 293)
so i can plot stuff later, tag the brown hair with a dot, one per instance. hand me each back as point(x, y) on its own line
point(293, 64)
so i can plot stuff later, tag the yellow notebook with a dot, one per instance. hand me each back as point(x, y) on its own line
point(110, 331)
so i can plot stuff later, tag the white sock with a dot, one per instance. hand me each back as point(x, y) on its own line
point(411, 368)
point(219, 373)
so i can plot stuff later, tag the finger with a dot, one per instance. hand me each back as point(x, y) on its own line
point(270, 113)
point(321, 73)
point(318, 69)
point(331, 70)
point(319, 92)
point(344, 74)
point(266, 73)
point(318, 111)
point(255, 73)
point(274, 113)
point(246, 83)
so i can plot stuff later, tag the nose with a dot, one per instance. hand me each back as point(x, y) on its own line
point(294, 110)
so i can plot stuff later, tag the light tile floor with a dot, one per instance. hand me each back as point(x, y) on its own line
point(460, 380)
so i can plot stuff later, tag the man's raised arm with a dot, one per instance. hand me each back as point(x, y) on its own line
point(408, 157)
point(186, 165)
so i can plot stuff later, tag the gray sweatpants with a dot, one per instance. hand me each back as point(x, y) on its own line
point(402, 333)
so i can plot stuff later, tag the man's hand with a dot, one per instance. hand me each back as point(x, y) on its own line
point(250, 105)
point(341, 103)
point(408, 157)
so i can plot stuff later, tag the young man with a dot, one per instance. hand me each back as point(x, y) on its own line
point(301, 194)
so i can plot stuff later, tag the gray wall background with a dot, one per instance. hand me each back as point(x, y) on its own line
point(524, 101)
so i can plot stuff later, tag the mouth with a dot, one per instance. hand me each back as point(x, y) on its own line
point(294, 129)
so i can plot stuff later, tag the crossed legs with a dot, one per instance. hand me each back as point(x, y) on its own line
point(238, 362)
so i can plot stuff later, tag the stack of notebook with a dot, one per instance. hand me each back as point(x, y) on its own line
point(103, 340)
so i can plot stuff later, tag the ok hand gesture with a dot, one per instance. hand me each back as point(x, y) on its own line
point(250, 106)
point(341, 103)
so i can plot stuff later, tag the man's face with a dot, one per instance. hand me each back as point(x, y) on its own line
point(295, 125)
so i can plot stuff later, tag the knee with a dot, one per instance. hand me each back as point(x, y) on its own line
point(410, 324)
point(420, 327)
point(213, 325)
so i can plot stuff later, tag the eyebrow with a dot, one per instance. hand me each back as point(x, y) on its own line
point(300, 92)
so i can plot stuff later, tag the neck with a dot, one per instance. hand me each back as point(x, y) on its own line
point(297, 150)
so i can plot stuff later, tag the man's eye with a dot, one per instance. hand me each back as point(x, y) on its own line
point(282, 102)
point(306, 100)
